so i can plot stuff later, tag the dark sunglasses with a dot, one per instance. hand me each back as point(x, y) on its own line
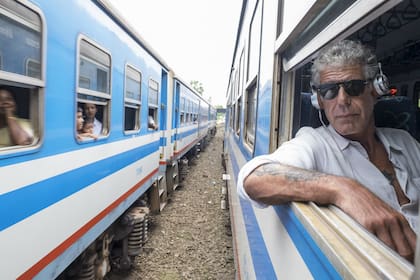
point(330, 90)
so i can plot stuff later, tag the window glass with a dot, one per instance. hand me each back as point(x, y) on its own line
point(254, 43)
point(20, 38)
point(250, 114)
point(322, 20)
point(132, 99)
point(20, 56)
point(153, 93)
point(182, 109)
point(153, 105)
point(94, 68)
point(238, 115)
point(93, 91)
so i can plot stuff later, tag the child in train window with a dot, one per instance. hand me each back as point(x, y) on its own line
point(87, 131)
point(13, 130)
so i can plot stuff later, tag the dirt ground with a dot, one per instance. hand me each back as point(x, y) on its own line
point(191, 238)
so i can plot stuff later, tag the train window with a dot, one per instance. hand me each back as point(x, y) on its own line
point(254, 43)
point(19, 122)
point(238, 116)
point(250, 109)
point(153, 101)
point(21, 79)
point(190, 111)
point(187, 111)
point(182, 109)
point(20, 37)
point(241, 72)
point(132, 99)
point(319, 23)
point(230, 106)
point(279, 18)
point(93, 89)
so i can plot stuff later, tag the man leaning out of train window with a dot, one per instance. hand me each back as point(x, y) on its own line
point(13, 130)
point(370, 173)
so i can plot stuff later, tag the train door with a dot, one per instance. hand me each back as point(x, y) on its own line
point(163, 114)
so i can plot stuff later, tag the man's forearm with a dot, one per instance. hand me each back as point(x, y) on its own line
point(274, 183)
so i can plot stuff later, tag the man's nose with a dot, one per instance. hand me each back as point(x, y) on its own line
point(343, 97)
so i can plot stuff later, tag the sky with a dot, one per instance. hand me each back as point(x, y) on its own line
point(196, 38)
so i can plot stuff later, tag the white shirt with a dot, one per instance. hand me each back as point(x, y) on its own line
point(97, 127)
point(324, 150)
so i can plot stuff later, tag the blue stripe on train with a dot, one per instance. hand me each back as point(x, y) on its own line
point(262, 264)
point(24, 202)
point(186, 133)
point(162, 141)
point(317, 262)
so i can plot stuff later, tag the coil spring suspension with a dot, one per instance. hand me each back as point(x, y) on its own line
point(138, 236)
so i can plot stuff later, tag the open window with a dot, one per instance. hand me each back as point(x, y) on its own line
point(153, 105)
point(21, 76)
point(250, 110)
point(132, 99)
point(238, 110)
point(93, 87)
point(182, 111)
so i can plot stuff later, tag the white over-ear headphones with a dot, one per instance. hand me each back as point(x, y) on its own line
point(380, 82)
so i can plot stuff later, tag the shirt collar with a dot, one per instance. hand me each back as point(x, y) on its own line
point(343, 142)
point(388, 143)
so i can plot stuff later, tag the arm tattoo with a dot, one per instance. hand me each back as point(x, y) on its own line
point(290, 173)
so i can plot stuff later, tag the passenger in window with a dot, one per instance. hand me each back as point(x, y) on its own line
point(90, 112)
point(84, 130)
point(79, 123)
point(87, 131)
point(13, 130)
point(151, 123)
point(371, 173)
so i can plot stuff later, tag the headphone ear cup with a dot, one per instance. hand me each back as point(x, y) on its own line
point(381, 84)
point(314, 101)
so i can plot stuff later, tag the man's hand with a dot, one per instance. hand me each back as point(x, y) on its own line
point(386, 223)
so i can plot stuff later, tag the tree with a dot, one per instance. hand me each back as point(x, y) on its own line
point(198, 86)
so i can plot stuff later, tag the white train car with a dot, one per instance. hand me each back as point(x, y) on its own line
point(269, 100)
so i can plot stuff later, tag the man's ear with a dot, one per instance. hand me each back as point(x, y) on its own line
point(374, 93)
point(321, 105)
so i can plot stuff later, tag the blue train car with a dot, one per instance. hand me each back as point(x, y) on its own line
point(191, 120)
point(268, 100)
point(70, 202)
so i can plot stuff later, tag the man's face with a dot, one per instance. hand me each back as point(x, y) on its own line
point(90, 110)
point(350, 116)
